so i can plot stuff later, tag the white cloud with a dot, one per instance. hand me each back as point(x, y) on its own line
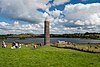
point(83, 17)
point(25, 10)
point(16, 24)
point(78, 22)
point(78, 18)
point(45, 14)
point(81, 11)
point(56, 13)
point(74, 18)
point(3, 24)
point(57, 2)
point(17, 28)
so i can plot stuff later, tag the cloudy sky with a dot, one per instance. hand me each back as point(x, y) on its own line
point(66, 16)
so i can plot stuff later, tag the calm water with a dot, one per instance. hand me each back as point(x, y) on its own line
point(53, 40)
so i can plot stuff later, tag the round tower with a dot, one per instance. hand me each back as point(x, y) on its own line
point(46, 32)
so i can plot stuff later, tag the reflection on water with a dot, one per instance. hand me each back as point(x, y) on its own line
point(53, 40)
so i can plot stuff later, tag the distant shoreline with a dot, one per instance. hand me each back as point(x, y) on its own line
point(95, 36)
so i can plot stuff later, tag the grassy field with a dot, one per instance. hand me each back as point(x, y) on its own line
point(47, 56)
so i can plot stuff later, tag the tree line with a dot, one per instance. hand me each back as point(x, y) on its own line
point(75, 35)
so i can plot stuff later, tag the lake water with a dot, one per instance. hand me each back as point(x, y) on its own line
point(53, 40)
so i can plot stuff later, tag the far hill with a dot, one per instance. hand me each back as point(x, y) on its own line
point(75, 35)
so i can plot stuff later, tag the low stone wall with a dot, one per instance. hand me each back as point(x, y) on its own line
point(88, 48)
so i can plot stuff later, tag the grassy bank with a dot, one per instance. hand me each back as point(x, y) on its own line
point(47, 56)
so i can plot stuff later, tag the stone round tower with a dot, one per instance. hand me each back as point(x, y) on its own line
point(46, 32)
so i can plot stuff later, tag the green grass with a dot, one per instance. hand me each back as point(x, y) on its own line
point(47, 56)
